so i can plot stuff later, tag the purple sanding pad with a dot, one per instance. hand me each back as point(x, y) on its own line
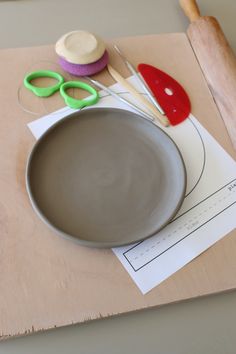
point(84, 69)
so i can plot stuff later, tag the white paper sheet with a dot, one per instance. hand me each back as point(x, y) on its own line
point(207, 214)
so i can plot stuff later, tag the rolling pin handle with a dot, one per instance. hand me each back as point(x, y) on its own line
point(190, 9)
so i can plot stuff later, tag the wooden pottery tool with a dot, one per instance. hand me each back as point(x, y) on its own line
point(130, 88)
point(169, 93)
point(82, 53)
point(120, 98)
point(139, 79)
point(217, 62)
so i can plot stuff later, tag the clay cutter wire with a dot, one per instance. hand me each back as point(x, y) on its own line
point(140, 79)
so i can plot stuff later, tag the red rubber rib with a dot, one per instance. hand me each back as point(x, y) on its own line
point(169, 93)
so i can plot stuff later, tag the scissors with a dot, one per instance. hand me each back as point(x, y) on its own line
point(61, 86)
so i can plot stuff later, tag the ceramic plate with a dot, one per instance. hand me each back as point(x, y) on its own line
point(106, 177)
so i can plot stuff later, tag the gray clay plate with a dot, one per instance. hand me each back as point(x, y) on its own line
point(106, 177)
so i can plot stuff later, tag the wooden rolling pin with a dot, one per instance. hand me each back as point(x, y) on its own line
point(217, 61)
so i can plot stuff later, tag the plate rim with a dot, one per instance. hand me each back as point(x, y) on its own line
point(82, 242)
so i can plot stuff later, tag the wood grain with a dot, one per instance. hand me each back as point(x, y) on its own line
point(190, 9)
point(218, 64)
point(217, 61)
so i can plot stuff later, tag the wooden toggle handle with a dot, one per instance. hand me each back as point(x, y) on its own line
point(190, 9)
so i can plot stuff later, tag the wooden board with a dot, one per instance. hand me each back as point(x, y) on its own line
point(47, 281)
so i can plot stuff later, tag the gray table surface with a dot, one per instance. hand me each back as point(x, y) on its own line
point(206, 325)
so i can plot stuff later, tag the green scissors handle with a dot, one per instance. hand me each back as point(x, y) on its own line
point(63, 87)
point(43, 91)
point(77, 103)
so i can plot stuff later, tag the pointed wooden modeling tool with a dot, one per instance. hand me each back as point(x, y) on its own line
point(169, 93)
point(139, 97)
point(139, 79)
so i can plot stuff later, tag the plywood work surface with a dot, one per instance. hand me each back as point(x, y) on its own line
point(47, 281)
